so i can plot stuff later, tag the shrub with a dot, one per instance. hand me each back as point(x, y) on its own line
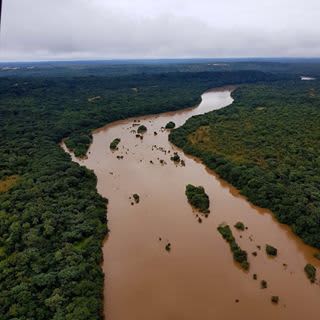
point(311, 272)
point(240, 226)
point(271, 251)
point(170, 125)
point(114, 144)
point(136, 197)
point(142, 129)
point(263, 284)
point(175, 158)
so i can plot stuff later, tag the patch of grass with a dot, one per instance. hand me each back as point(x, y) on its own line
point(8, 182)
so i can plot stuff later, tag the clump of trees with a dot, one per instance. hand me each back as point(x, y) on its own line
point(240, 226)
point(114, 144)
point(136, 197)
point(239, 255)
point(198, 198)
point(271, 251)
point(311, 272)
point(175, 157)
point(142, 129)
point(170, 125)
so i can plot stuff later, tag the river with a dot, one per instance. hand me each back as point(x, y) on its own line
point(198, 278)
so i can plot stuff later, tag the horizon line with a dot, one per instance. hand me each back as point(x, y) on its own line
point(249, 58)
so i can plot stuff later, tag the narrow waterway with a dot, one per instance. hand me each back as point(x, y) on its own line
point(198, 278)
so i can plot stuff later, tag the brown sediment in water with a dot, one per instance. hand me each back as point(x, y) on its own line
point(197, 278)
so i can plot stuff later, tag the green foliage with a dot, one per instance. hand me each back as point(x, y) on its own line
point(267, 145)
point(239, 255)
point(114, 144)
point(142, 129)
point(311, 272)
point(198, 198)
point(78, 143)
point(239, 225)
point(170, 125)
point(271, 251)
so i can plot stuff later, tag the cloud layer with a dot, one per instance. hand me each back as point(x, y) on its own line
point(91, 29)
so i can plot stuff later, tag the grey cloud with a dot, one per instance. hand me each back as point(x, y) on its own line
point(83, 29)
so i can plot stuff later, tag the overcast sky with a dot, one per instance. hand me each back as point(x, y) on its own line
point(114, 29)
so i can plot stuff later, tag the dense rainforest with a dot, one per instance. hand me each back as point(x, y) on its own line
point(52, 219)
point(267, 145)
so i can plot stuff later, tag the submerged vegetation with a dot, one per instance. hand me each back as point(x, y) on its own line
point(311, 272)
point(170, 125)
point(271, 251)
point(240, 226)
point(175, 157)
point(198, 198)
point(239, 255)
point(267, 145)
point(114, 144)
point(142, 129)
point(136, 198)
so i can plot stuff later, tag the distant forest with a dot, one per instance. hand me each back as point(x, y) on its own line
point(267, 145)
point(53, 220)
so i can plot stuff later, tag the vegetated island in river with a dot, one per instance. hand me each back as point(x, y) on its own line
point(114, 144)
point(267, 145)
point(198, 198)
point(239, 255)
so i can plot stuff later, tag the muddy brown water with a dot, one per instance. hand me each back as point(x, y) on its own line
point(198, 278)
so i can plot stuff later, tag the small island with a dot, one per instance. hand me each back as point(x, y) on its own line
point(239, 225)
point(311, 272)
point(114, 144)
point(136, 198)
point(271, 251)
point(170, 125)
point(198, 198)
point(142, 129)
point(239, 255)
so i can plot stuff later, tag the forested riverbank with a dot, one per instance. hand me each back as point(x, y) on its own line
point(52, 219)
point(267, 145)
